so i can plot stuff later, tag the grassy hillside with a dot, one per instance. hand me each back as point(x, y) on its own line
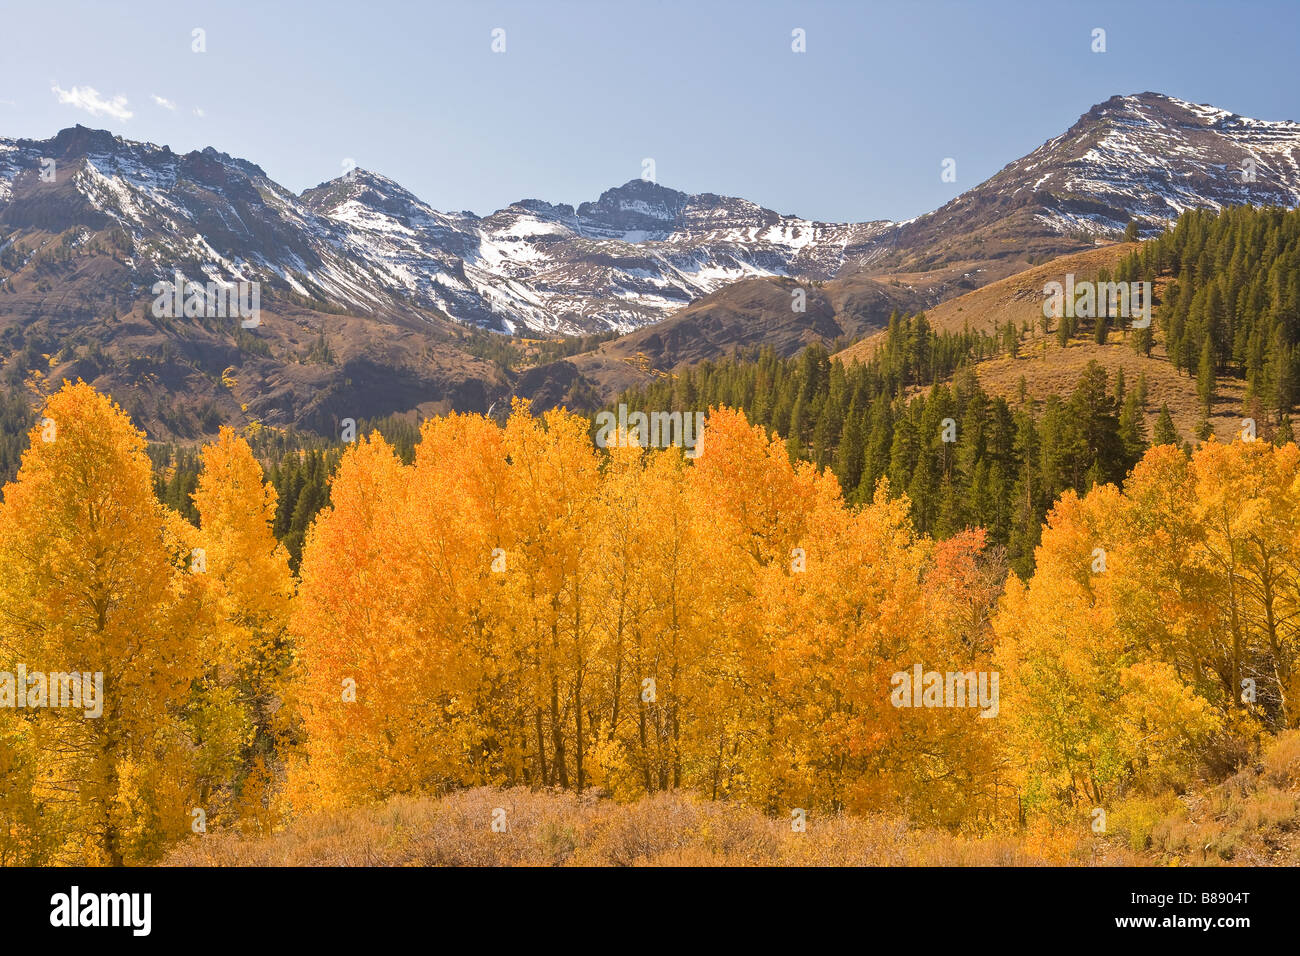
point(1017, 298)
point(1227, 288)
point(1055, 371)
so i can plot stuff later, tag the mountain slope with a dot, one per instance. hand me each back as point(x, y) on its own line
point(1148, 157)
point(363, 244)
point(630, 259)
point(640, 252)
point(1018, 298)
point(745, 314)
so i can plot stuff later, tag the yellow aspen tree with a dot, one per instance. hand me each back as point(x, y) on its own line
point(839, 624)
point(1059, 660)
point(94, 580)
point(627, 752)
point(359, 669)
point(459, 514)
point(946, 766)
point(1214, 537)
point(1246, 501)
point(555, 476)
point(248, 587)
point(752, 506)
point(651, 558)
point(1165, 591)
point(1091, 706)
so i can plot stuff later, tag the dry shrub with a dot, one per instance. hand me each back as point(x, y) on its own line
point(1246, 820)
point(1230, 749)
point(555, 829)
point(1249, 819)
point(1136, 819)
point(665, 824)
point(1281, 760)
point(1268, 809)
point(456, 830)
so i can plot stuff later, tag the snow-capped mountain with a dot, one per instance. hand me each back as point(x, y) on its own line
point(629, 259)
point(1154, 157)
point(377, 299)
point(640, 252)
point(1147, 156)
point(363, 243)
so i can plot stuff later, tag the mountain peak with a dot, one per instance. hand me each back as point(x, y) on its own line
point(1161, 105)
point(82, 140)
point(641, 187)
point(364, 186)
point(1146, 156)
point(639, 209)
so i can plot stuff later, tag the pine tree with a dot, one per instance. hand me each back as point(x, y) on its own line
point(1205, 377)
point(1132, 431)
point(1165, 433)
point(1026, 495)
point(1284, 434)
point(1011, 339)
point(1101, 330)
point(852, 446)
point(1142, 341)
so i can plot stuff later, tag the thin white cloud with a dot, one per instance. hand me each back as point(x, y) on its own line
point(163, 101)
point(87, 98)
point(199, 113)
point(7, 103)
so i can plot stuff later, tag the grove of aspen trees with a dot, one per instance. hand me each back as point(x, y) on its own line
point(517, 607)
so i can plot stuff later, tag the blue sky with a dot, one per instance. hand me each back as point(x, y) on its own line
point(853, 129)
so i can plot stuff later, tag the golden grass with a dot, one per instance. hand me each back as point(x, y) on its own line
point(1251, 819)
point(1056, 371)
point(557, 829)
point(1050, 370)
point(1017, 298)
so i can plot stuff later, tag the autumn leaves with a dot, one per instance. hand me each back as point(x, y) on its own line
point(504, 603)
point(1182, 652)
point(518, 607)
point(94, 577)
